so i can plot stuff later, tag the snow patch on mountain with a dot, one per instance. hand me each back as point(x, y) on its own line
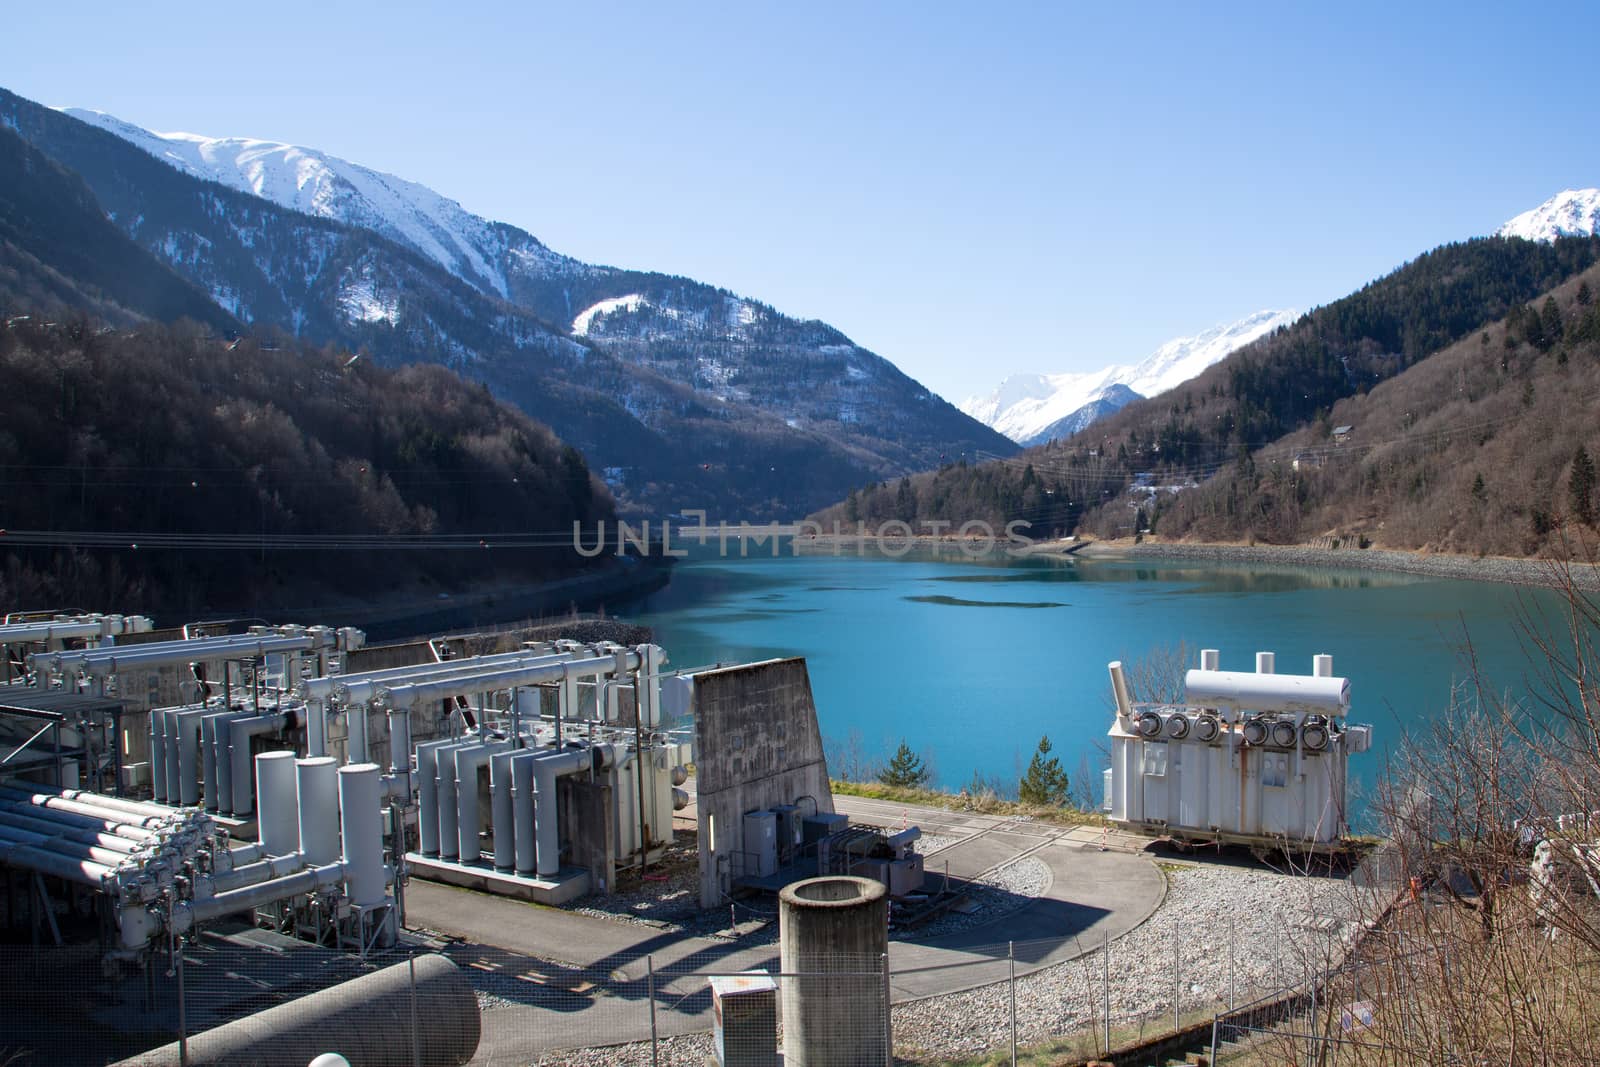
point(581, 324)
point(1570, 213)
point(1026, 406)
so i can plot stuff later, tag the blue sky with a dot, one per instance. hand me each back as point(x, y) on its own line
point(969, 190)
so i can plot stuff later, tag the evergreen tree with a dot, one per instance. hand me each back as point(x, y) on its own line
point(905, 768)
point(1584, 295)
point(1550, 321)
point(1580, 486)
point(1045, 783)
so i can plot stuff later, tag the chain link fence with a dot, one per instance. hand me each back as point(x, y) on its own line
point(1038, 1000)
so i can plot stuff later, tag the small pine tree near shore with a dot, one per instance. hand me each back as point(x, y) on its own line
point(1045, 783)
point(905, 769)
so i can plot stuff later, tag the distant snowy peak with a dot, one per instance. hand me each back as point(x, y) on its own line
point(1030, 408)
point(1570, 213)
point(474, 249)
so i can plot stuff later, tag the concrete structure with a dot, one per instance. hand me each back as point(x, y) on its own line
point(833, 935)
point(757, 747)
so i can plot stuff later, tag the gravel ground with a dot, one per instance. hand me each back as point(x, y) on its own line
point(1282, 921)
point(1466, 568)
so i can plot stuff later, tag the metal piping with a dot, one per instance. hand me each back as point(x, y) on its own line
point(364, 688)
point(469, 761)
point(278, 817)
point(84, 872)
point(409, 696)
point(185, 914)
point(317, 805)
point(92, 823)
point(67, 832)
point(240, 731)
point(101, 662)
point(361, 816)
point(74, 801)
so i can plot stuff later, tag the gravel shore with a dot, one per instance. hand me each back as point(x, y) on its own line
point(1466, 568)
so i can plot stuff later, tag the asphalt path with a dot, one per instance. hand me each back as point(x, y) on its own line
point(560, 979)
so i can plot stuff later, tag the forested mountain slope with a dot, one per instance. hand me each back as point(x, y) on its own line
point(217, 475)
point(1286, 382)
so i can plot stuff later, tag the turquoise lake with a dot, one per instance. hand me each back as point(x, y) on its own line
point(972, 661)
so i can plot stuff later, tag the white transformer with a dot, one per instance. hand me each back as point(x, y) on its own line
point(1251, 758)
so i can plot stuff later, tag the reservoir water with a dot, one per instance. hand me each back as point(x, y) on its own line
point(972, 661)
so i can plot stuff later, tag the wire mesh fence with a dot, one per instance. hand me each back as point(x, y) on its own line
point(1060, 998)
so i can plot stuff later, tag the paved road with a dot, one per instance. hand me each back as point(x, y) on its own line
point(568, 980)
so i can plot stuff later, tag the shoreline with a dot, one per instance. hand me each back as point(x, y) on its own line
point(1501, 570)
point(1546, 574)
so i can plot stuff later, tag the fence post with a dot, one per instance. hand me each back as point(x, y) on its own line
point(1011, 962)
point(183, 1019)
point(888, 1021)
point(1177, 980)
point(1105, 959)
point(650, 991)
point(416, 1044)
point(1233, 926)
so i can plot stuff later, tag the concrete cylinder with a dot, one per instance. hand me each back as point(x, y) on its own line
point(277, 803)
point(833, 934)
point(372, 1021)
point(318, 782)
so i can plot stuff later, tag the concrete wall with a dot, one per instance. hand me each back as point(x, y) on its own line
point(756, 745)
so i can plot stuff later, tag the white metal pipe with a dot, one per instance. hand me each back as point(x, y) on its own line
point(317, 792)
point(1266, 662)
point(59, 845)
point(428, 795)
point(188, 722)
point(84, 872)
point(171, 759)
point(1210, 659)
point(469, 821)
point(410, 695)
point(363, 688)
point(1119, 689)
point(97, 823)
point(355, 718)
point(400, 748)
point(262, 871)
point(361, 816)
point(158, 754)
point(1268, 692)
point(240, 731)
point(81, 834)
point(1322, 666)
point(132, 811)
point(503, 809)
point(546, 828)
point(220, 762)
point(522, 799)
point(185, 914)
point(444, 798)
point(100, 662)
point(316, 728)
point(278, 809)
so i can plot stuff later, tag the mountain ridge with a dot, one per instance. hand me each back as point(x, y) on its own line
point(695, 397)
point(1032, 408)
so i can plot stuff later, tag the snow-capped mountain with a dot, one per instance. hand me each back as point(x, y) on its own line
point(1570, 213)
point(482, 253)
point(1030, 408)
point(687, 394)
